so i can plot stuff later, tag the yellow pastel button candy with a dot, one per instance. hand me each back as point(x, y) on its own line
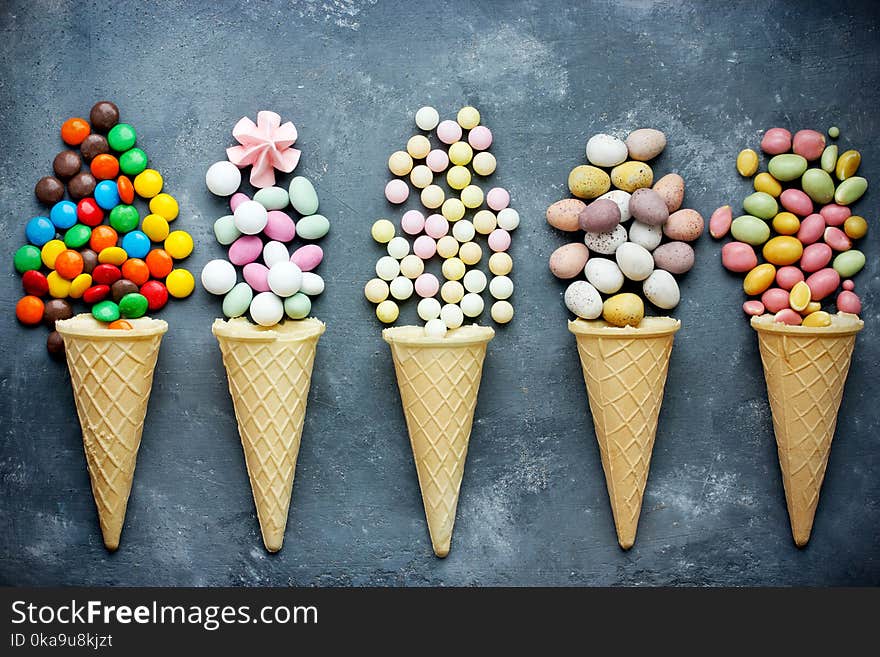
point(453, 269)
point(400, 163)
point(460, 153)
point(453, 209)
point(179, 244)
point(418, 147)
point(155, 226)
point(387, 311)
point(112, 255)
point(484, 163)
point(148, 183)
point(165, 205)
point(485, 222)
point(500, 264)
point(470, 253)
point(472, 196)
point(447, 246)
point(468, 117)
point(180, 283)
point(452, 292)
point(79, 285)
point(382, 231)
point(432, 196)
point(58, 287)
point(376, 290)
point(50, 251)
point(458, 177)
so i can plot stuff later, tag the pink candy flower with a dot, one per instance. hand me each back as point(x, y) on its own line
point(266, 146)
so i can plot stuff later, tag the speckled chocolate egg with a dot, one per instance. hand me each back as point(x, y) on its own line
point(606, 243)
point(671, 190)
point(674, 257)
point(684, 225)
point(568, 260)
point(587, 181)
point(563, 215)
point(622, 199)
point(645, 235)
point(631, 176)
point(645, 144)
point(648, 206)
point(600, 216)
point(661, 289)
point(626, 309)
point(583, 300)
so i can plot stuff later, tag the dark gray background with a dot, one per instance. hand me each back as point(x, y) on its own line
point(534, 509)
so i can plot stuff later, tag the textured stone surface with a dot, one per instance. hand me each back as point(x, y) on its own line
point(533, 507)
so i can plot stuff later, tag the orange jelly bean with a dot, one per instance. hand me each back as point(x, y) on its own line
point(120, 324)
point(136, 270)
point(74, 131)
point(102, 237)
point(125, 188)
point(104, 167)
point(69, 264)
point(160, 263)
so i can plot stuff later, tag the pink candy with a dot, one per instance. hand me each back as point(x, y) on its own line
point(497, 198)
point(237, 199)
point(396, 191)
point(811, 229)
point(808, 144)
point(849, 302)
point(436, 226)
point(719, 222)
point(257, 276)
point(849, 285)
point(448, 132)
point(753, 307)
point(788, 316)
point(307, 257)
point(499, 240)
point(738, 257)
point(835, 215)
point(279, 226)
point(412, 222)
point(823, 283)
point(245, 249)
point(787, 277)
point(796, 201)
point(427, 285)
point(837, 239)
point(815, 257)
point(425, 247)
point(776, 141)
point(480, 138)
point(775, 299)
point(437, 160)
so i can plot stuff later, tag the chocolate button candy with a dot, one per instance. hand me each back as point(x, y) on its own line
point(104, 115)
point(55, 343)
point(56, 309)
point(94, 145)
point(49, 190)
point(81, 185)
point(90, 259)
point(122, 287)
point(67, 164)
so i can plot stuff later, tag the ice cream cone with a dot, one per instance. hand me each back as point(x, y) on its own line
point(439, 379)
point(111, 372)
point(625, 372)
point(805, 369)
point(269, 372)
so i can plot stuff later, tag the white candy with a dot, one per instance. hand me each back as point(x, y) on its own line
point(398, 247)
point(223, 178)
point(583, 300)
point(474, 281)
point(451, 315)
point(622, 199)
point(412, 266)
point(218, 276)
point(401, 288)
point(267, 309)
point(274, 252)
point(502, 312)
point(635, 261)
point(508, 219)
point(387, 268)
point(435, 328)
point(429, 308)
point(250, 217)
point(605, 243)
point(606, 151)
point(661, 289)
point(645, 235)
point(285, 278)
point(312, 284)
point(604, 275)
point(501, 287)
point(472, 304)
point(427, 118)
point(463, 231)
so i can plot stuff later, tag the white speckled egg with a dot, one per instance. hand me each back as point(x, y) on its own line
point(605, 243)
point(635, 261)
point(606, 151)
point(661, 289)
point(645, 235)
point(622, 199)
point(583, 300)
point(604, 275)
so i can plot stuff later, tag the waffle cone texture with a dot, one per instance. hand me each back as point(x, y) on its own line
point(625, 373)
point(111, 373)
point(439, 380)
point(269, 372)
point(805, 369)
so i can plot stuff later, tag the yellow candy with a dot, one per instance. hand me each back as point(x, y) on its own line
point(452, 292)
point(447, 246)
point(759, 279)
point(812, 307)
point(818, 318)
point(747, 162)
point(587, 181)
point(766, 183)
point(421, 176)
point(382, 231)
point(783, 250)
point(179, 244)
point(630, 176)
point(79, 285)
point(58, 287)
point(155, 226)
point(458, 177)
point(799, 297)
point(625, 309)
point(484, 163)
point(453, 269)
point(500, 264)
point(502, 312)
point(50, 251)
point(165, 205)
point(412, 266)
point(460, 153)
point(472, 196)
point(112, 255)
point(855, 227)
point(376, 290)
point(470, 253)
point(485, 222)
point(180, 283)
point(468, 117)
point(148, 183)
point(418, 147)
point(400, 163)
point(432, 197)
point(847, 165)
point(785, 223)
point(387, 311)
point(453, 209)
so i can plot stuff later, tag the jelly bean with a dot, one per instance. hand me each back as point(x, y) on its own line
point(29, 310)
point(775, 299)
point(308, 257)
point(499, 240)
point(815, 257)
point(133, 161)
point(849, 263)
point(148, 183)
point(302, 196)
point(63, 214)
point(759, 279)
point(89, 212)
point(106, 274)
point(124, 218)
point(136, 270)
point(761, 205)
point(753, 307)
point(112, 255)
point(160, 263)
point(58, 287)
point(818, 185)
point(787, 167)
point(835, 215)
point(822, 283)
point(245, 249)
point(104, 167)
point(136, 244)
point(312, 227)
point(808, 144)
point(120, 325)
point(766, 183)
point(132, 305)
point(35, 283)
point(796, 201)
point(96, 293)
point(50, 251)
point(39, 231)
point(785, 223)
point(847, 165)
point(738, 257)
point(783, 250)
point(180, 283)
point(156, 294)
point(165, 205)
point(849, 302)
point(179, 244)
point(811, 230)
point(787, 316)
point(855, 227)
point(279, 226)
point(69, 264)
point(776, 141)
point(850, 190)
point(121, 137)
point(817, 319)
point(238, 198)
point(837, 239)
point(750, 230)
point(107, 194)
point(747, 163)
point(829, 158)
point(256, 275)
point(800, 296)
point(125, 188)
point(27, 258)
point(105, 311)
point(787, 277)
point(238, 300)
point(79, 285)
point(156, 228)
point(297, 306)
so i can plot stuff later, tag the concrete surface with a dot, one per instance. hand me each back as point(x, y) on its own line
point(534, 509)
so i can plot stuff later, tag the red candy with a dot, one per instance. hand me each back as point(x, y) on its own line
point(849, 302)
point(835, 215)
point(88, 212)
point(788, 316)
point(35, 283)
point(753, 307)
point(837, 239)
point(156, 293)
point(849, 285)
point(815, 257)
point(106, 274)
point(776, 141)
point(96, 293)
point(808, 144)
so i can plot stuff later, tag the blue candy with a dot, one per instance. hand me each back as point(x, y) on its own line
point(39, 230)
point(136, 244)
point(107, 194)
point(63, 214)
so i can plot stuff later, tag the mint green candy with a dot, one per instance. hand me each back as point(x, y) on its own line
point(750, 230)
point(818, 185)
point(133, 305)
point(312, 227)
point(298, 306)
point(27, 258)
point(77, 236)
point(238, 300)
point(124, 218)
point(225, 230)
point(787, 167)
point(133, 161)
point(761, 205)
point(303, 197)
point(273, 198)
point(829, 158)
point(849, 263)
point(849, 191)
point(105, 311)
point(121, 137)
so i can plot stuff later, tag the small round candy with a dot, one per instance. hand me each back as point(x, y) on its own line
point(484, 163)
point(485, 222)
point(165, 205)
point(89, 212)
point(180, 283)
point(39, 230)
point(387, 311)
point(387, 268)
point(156, 293)
point(508, 219)
point(297, 306)
point(63, 214)
point(178, 244)
point(285, 278)
point(501, 287)
point(274, 252)
point(49, 190)
point(425, 247)
point(112, 255)
point(497, 198)
point(155, 227)
point(27, 258)
point(250, 218)
point(460, 153)
point(412, 222)
point(435, 328)
point(412, 266)
point(77, 236)
point(136, 270)
point(453, 209)
point(427, 118)
point(472, 304)
point(428, 309)
point(66, 164)
point(58, 287)
point(418, 147)
point(81, 185)
point(436, 226)
point(855, 227)
point(463, 231)
point(148, 183)
point(159, 262)
point(475, 281)
point(376, 290)
point(849, 286)
point(35, 283)
point(126, 189)
point(447, 246)
point(124, 218)
point(468, 117)
point(107, 194)
point(396, 191)
point(382, 231)
point(437, 160)
point(480, 138)
point(96, 293)
point(79, 285)
point(122, 287)
point(470, 253)
point(133, 305)
point(502, 312)
point(92, 146)
point(267, 309)
point(398, 247)
point(312, 284)
point(448, 132)
point(400, 163)
point(432, 197)
point(472, 196)
point(69, 264)
point(401, 288)
point(452, 292)
point(218, 276)
point(55, 344)
point(74, 131)
point(136, 244)
point(500, 264)
point(121, 137)
point(104, 167)
point(106, 274)
point(105, 311)
point(102, 237)
point(29, 310)
point(133, 161)
point(421, 176)
point(499, 240)
point(256, 275)
point(453, 269)
point(451, 315)
point(120, 325)
point(104, 115)
point(50, 251)
point(458, 177)
point(427, 285)
point(238, 300)
point(223, 178)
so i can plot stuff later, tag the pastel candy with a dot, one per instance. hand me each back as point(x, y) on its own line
point(425, 247)
point(245, 249)
point(272, 198)
point(308, 257)
point(257, 276)
point(237, 199)
point(225, 230)
point(303, 197)
point(313, 227)
point(279, 226)
point(835, 215)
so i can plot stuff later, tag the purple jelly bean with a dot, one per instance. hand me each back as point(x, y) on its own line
point(257, 276)
point(279, 226)
point(307, 257)
point(245, 249)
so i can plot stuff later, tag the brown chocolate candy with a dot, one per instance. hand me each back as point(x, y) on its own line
point(90, 260)
point(122, 287)
point(81, 185)
point(67, 164)
point(49, 190)
point(55, 344)
point(94, 145)
point(104, 115)
point(56, 309)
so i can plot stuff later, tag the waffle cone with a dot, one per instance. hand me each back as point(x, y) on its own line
point(269, 372)
point(439, 379)
point(805, 369)
point(625, 372)
point(112, 374)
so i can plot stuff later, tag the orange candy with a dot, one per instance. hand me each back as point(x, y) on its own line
point(102, 237)
point(160, 263)
point(29, 310)
point(125, 189)
point(69, 264)
point(120, 324)
point(136, 270)
point(74, 131)
point(104, 167)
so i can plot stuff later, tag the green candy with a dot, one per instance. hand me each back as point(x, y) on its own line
point(124, 218)
point(303, 196)
point(829, 158)
point(312, 227)
point(298, 306)
point(27, 258)
point(133, 161)
point(787, 167)
point(818, 185)
point(121, 137)
point(105, 311)
point(238, 300)
point(133, 305)
point(761, 205)
point(273, 198)
point(834, 132)
point(850, 190)
point(750, 230)
point(849, 263)
point(225, 230)
point(77, 235)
